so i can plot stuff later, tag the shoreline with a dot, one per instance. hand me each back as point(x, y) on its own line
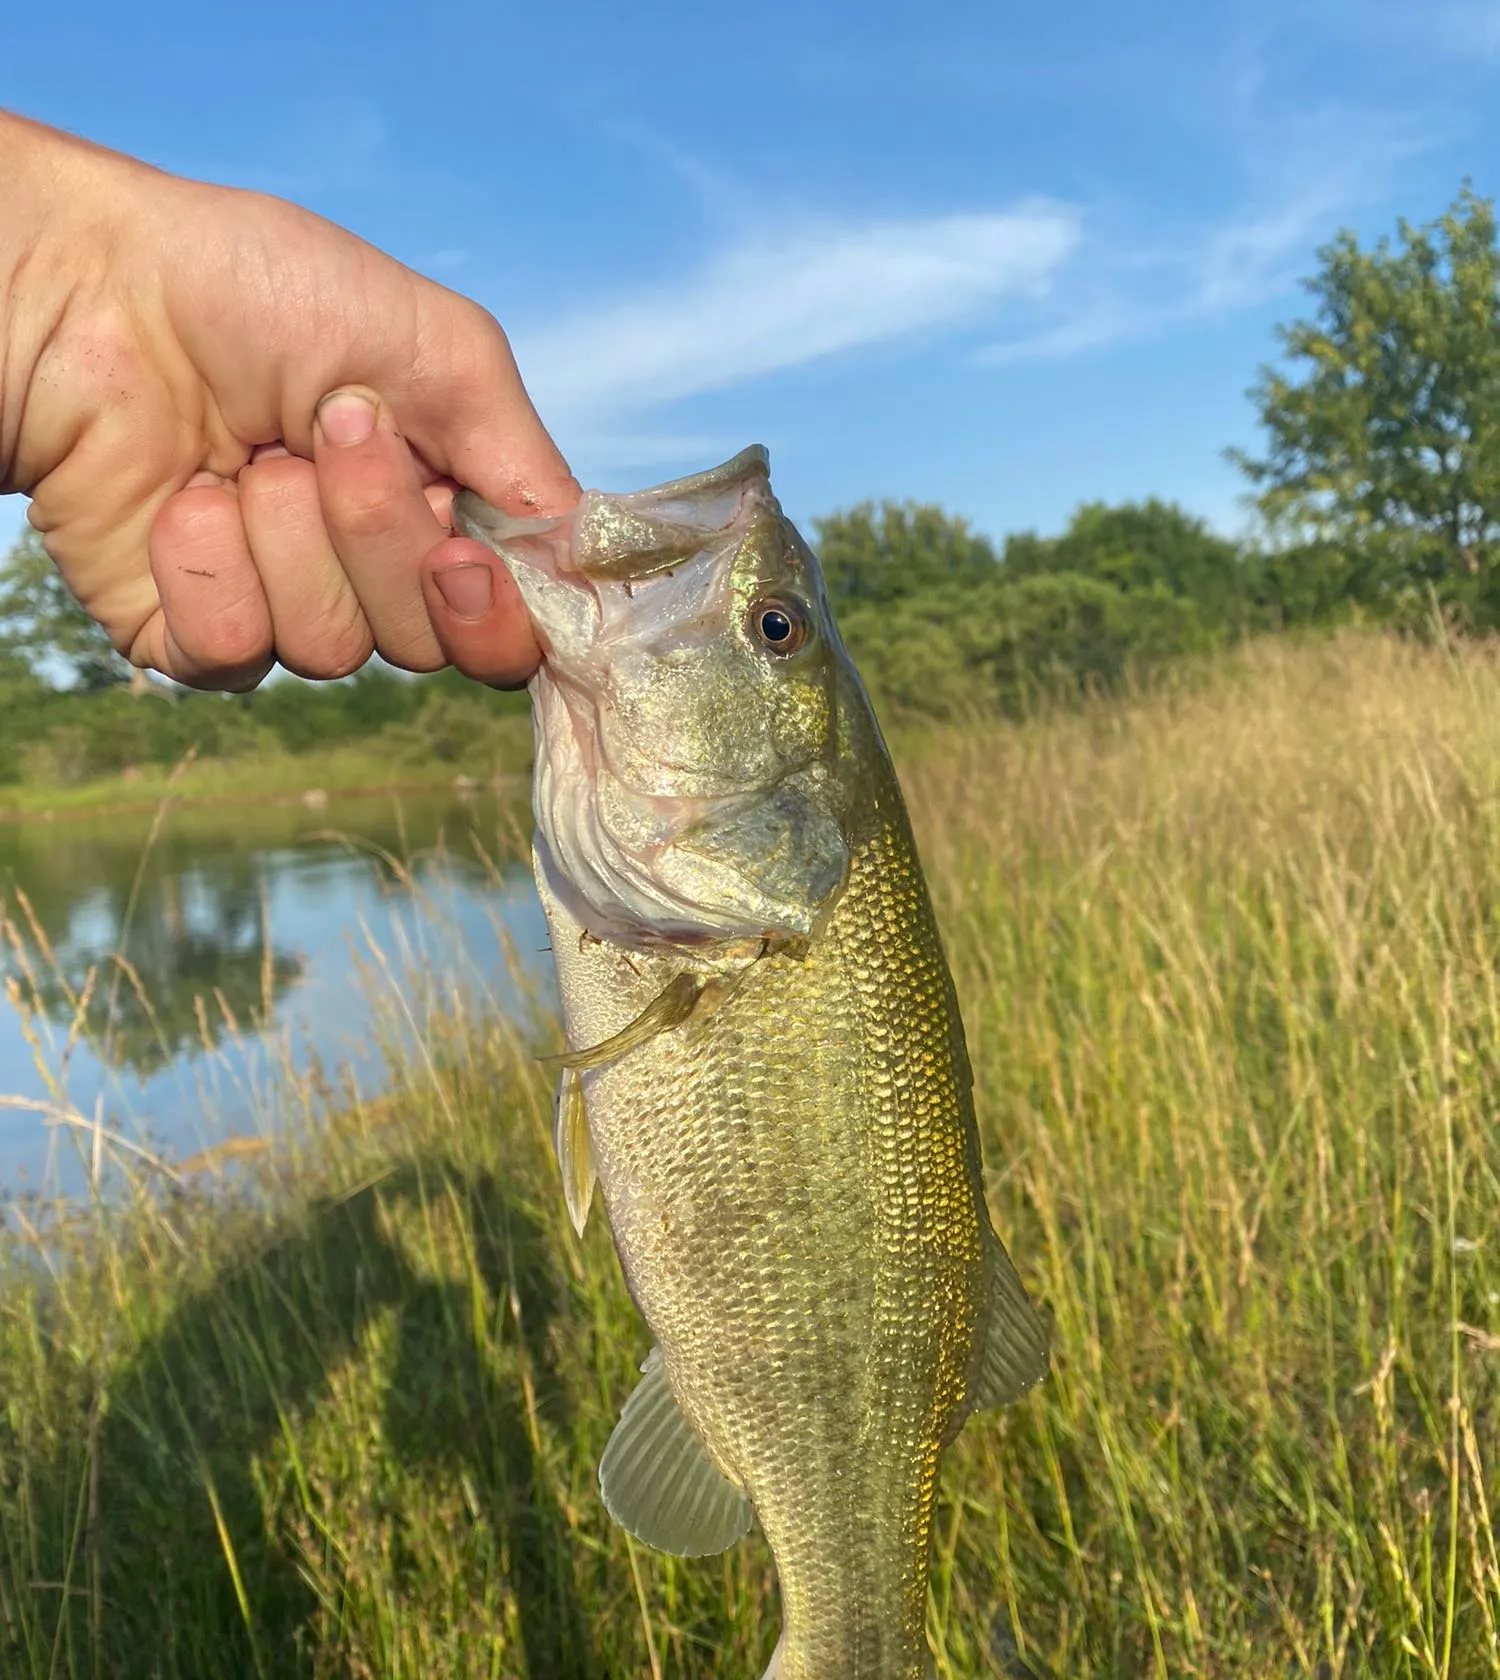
point(316, 795)
point(81, 813)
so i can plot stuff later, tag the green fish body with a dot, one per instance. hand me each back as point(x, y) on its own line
point(767, 1071)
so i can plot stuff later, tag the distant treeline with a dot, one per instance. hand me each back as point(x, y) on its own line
point(1379, 497)
point(939, 619)
point(64, 735)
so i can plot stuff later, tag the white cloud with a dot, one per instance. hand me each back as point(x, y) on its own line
point(1303, 184)
point(444, 261)
point(1236, 265)
point(771, 303)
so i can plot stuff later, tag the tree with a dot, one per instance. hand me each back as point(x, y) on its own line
point(1010, 643)
point(1142, 546)
point(40, 620)
point(884, 554)
point(1384, 432)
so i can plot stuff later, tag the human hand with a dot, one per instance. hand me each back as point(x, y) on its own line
point(241, 427)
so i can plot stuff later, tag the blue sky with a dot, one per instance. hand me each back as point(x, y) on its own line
point(1004, 257)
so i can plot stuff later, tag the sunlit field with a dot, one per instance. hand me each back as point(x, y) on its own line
point(1228, 956)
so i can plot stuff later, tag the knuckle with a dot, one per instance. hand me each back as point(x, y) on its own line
point(192, 518)
point(489, 332)
point(476, 341)
point(344, 660)
point(127, 615)
point(335, 644)
point(281, 489)
point(147, 646)
point(366, 509)
point(229, 639)
point(222, 630)
point(411, 652)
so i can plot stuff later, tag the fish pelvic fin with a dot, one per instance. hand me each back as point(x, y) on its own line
point(575, 1153)
point(1015, 1340)
point(658, 1481)
point(669, 1008)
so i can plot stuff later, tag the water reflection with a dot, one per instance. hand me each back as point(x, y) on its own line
point(191, 957)
point(149, 967)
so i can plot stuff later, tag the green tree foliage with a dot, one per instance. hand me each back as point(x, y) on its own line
point(41, 621)
point(1384, 431)
point(1144, 547)
point(1012, 643)
point(872, 554)
point(21, 695)
point(939, 623)
point(304, 716)
point(70, 736)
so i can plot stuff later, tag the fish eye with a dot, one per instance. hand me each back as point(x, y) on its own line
point(780, 626)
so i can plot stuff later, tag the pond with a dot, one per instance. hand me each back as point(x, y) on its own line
point(163, 972)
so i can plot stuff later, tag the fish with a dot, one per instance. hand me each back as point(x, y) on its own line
point(766, 1077)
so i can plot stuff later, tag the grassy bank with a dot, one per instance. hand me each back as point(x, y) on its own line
point(1228, 961)
point(363, 767)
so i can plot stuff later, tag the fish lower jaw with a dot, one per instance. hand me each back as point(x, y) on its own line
point(612, 915)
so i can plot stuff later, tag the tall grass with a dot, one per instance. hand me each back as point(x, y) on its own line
point(1228, 959)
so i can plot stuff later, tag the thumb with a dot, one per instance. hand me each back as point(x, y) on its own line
point(470, 416)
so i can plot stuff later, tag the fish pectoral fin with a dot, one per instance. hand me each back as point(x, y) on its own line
point(669, 1008)
point(659, 1483)
point(575, 1153)
point(1015, 1341)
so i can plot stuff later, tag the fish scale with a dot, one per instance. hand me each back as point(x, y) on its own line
point(817, 1303)
point(778, 1105)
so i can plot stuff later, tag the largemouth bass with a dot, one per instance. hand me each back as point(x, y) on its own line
point(767, 1076)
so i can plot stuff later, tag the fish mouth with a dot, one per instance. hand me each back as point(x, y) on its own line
point(630, 538)
point(626, 580)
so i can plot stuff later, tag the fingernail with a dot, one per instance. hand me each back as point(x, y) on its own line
point(346, 418)
point(468, 589)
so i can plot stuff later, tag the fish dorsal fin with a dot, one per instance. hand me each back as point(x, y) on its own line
point(575, 1154)
point(658, 1482)
point(1015, 1342)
